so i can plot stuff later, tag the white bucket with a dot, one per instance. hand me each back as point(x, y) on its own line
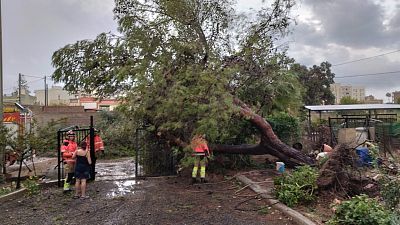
point(280, 167)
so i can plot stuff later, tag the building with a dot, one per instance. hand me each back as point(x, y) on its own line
point(94, 104)
point(370, 99)
point(56, 96)
point(396, 97)
point(26, 98)
point(340, 91)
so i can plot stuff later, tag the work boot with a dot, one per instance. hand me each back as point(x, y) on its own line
point(203, 180)
point(193, 180)
point(67, 187)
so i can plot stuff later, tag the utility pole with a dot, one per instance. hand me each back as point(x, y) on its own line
point(2, 148)
point(46, 97)
point(19, 87)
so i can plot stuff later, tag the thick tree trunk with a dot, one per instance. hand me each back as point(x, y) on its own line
point(269, 144)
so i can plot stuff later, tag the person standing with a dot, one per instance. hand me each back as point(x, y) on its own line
point(82, 170)
point(67, 149)
point(200, 153)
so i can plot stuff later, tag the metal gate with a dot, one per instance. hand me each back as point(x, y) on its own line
point(81, 134)
point(152, 158)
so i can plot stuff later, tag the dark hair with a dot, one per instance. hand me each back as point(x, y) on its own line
point(83, 145)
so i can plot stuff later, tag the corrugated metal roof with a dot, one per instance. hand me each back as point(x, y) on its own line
point(352, 107)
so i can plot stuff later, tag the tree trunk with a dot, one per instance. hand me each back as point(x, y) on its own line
point(269, 144)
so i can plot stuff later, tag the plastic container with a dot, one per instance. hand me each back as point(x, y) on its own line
point(365, 158)
point(280, 167)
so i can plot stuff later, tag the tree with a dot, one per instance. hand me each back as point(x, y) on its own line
point(348, 100)
point(316, 81)
point(187, 67)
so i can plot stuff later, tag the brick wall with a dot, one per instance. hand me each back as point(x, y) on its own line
point(72, 115)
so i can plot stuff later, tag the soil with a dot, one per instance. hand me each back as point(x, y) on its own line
point(168, 200)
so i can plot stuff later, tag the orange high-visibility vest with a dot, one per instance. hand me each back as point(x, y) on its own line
point(68, 151)
point(98, 143)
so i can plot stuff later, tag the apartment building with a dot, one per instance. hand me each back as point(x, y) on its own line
point(340, 91)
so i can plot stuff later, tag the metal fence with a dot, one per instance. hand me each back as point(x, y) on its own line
point(152, 158)
point(383, 124)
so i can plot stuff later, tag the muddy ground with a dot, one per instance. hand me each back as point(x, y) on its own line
point(152, 201)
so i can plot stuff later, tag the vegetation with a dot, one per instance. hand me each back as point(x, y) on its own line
point(316, 82)
point(298, 187)
point(186, 67)
point(32, 186)
point(286, 127)
point(390, 192)
point(348, 100)
point(361, 210)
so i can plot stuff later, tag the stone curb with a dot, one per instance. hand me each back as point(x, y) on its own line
point(296, 216)
point(19, 193)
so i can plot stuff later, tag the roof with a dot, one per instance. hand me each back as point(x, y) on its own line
point(352, 107)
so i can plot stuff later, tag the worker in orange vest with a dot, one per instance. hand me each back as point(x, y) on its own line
point(67, 150)
point(98, 142)
point(98, 147)
point(201, 153)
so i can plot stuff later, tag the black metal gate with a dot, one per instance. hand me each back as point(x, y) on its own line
point(81, 134)
point(152, 158)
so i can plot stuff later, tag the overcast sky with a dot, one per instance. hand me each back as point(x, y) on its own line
point(327, 30)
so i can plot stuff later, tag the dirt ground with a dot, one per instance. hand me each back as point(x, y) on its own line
point(151, 201)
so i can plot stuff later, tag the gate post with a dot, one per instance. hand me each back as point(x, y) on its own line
point(136, 153)
point(59, 158)
point(92, 151)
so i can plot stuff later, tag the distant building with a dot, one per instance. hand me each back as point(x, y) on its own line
point(26, 98)
point(396, 97)
point(370, 99)
point(340, 91)
point(56, 96)
point(94, 104)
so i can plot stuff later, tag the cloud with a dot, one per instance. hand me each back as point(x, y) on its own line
point(40, 27)
point(356, 23)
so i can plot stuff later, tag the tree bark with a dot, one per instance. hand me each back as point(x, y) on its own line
point(269, 144)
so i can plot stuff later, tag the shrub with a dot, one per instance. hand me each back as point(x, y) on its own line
point(297, 187)
point(390, 192)
point(361, 210)
point(286, 127)
point(31, 185)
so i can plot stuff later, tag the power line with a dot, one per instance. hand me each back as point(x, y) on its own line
point(362, 59)
point(368, 74)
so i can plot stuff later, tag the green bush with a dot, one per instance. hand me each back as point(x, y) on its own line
point(31, 185)
point(298, 187)
point(286, 127)
point(390, 192)
point(361, 210)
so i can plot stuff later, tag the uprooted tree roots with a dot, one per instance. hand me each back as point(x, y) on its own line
point(341, 173)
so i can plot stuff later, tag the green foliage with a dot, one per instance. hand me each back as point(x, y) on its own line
point(32, 186)
point(361, 210)
point(179, 65)
point(286, 127)
point(117, 132)
point(5, 190)
point(390, 192)
point(348, 100)
point(43, 138)
point(298, 187)
point(316, 81)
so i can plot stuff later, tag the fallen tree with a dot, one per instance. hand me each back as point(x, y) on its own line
point(269, 144)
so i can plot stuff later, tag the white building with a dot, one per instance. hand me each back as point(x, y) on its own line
point(355, 92)
point(56, 96)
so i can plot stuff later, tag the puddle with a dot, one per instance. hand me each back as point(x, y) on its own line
point(122, 170)
point(123, 188)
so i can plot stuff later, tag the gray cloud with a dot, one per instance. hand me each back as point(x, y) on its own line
point(356, 23)
point(33, 30)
